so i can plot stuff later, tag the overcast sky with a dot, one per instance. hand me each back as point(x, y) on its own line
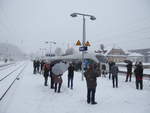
point(29, 23)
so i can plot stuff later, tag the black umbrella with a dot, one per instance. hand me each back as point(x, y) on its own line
point(128, 61)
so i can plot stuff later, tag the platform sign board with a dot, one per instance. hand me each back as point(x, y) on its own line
point(84, 48)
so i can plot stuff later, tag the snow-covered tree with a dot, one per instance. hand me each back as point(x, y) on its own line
point(69, 51)
point(58, 51)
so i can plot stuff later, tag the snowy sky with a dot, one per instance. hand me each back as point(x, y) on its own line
point(29, 23)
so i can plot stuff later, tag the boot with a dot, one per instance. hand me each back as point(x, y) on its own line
point(94, 103)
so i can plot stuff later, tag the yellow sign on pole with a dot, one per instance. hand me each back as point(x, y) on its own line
point(87, 43)
point(78, 43)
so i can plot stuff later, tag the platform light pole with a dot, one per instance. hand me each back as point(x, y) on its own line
point(84, 34)
point(50, 42)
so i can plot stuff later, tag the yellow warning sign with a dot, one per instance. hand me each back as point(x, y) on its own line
point(87, 43)
point(78, 43)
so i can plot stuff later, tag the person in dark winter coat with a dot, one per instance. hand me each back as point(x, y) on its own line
point(34, 66)
point(46, 69)
point(38, 66)
point(114, 71)
point(91, 79)
point(139, 75)
point(110, 65)
point(57, 83)
point(129, 72)
point(52, 75)
point(70, 75)
point(41, 65)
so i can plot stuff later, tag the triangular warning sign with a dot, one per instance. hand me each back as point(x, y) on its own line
point(78, 43)
point(87, 43)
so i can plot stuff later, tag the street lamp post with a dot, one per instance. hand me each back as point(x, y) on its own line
point(84, 34)
point(50, 42)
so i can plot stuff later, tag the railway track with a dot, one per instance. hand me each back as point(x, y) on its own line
point(3, 65)
point(6, 67)
point(4, 77)
point(14, 78)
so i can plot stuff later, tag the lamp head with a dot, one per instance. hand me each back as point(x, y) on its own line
point(73, 15)
point(92, 18)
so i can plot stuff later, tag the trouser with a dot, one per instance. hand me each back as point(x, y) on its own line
point(41, 70)
point(45, 78)
point(109, 74)
point(115, 81)
point(59, 87)
point(129, 75)
point(52, 82)
point(104, 73)
point(38, 69)
point(91, 95)
point(34, 70)
point(139, 82)
point(70, 80)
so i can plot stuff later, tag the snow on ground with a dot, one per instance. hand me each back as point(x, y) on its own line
point(29, 95)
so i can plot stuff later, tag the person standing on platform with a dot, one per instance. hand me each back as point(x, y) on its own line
point(114, 71)
point(46, 69)
point(91, 79)
point(41, 66)
point(139, 76)
point(34, 66)
point(57, 83)
point(38, 66)
point(52, 75)
point(110, 65)
point(129, 72)
point(70, 75)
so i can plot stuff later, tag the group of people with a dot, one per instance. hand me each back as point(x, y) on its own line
point(138, 72)
point(37, 66)
point(55, 80)
point(91, 73)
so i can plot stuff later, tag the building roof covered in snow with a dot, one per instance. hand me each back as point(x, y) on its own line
point(116, 51)
point(135, 54)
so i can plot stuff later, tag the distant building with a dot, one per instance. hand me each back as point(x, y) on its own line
point(135, 57)
point(116, 55)
point(144, 52)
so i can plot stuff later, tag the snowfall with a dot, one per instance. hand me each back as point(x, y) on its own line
point(29, 95)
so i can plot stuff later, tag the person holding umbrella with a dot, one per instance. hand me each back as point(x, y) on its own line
point(58, 70)
point(57, 83)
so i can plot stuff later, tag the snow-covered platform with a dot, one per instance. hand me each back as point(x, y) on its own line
point(29, 95)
